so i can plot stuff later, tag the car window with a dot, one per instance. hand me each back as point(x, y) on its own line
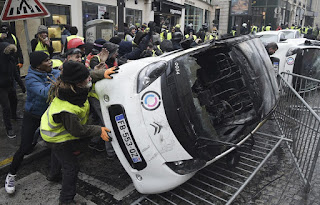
point(288, 34)
point(311, 63)
point(269, 38)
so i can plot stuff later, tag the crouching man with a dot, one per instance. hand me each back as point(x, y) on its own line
point(64, 123)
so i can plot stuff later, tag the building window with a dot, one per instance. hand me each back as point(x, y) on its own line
point(60, 15)
point(133, 17)
point(193, 15)
point(207, 15)
point(93, 11)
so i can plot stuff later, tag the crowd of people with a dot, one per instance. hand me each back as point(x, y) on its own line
point(308, 32)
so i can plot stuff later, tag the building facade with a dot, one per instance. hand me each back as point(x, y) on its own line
point(136, 12)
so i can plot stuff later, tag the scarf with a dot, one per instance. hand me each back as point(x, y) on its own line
point(78, 98)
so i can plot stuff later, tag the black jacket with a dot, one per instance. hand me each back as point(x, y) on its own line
point(8, 69)
point(18, 56)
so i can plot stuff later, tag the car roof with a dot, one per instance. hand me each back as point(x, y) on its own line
point(291, 30)
point(269, 32)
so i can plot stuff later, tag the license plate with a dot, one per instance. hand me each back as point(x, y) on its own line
point(127, 138)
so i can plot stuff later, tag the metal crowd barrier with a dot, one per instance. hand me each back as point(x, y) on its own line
point(298, 120)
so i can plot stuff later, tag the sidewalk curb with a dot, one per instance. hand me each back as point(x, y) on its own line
point(40, 151)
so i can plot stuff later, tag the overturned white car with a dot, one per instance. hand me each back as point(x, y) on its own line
point(174, 114)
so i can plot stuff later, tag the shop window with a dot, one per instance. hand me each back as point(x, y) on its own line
point(133, 17)
point(193, 15)
point(60, 15)
point(207, 15)
point(93, 11)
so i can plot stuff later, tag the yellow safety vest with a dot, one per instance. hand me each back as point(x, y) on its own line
point(233, 32)
point(56, 63)
point(74, 36)
point(254, 29)
point(208, 37)
point(268, 28)
point(194, 36)
point(14, 38)
point(41, 47)
point(169, 35)
point(55, 132)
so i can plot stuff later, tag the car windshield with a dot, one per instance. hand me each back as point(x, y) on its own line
point(311, 63)
point(220, 92)
point(288, 34)
point(268, 38)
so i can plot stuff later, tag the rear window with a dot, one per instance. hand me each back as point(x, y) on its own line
point(269, 38)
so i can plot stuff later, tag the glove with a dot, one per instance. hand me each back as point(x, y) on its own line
point(20, 65)
point(104, 134)
point(110, 71)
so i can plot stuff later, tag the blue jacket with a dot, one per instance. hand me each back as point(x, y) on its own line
point(38, 86)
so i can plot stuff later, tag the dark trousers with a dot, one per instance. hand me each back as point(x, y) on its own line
point(63, 158)
point(30, 124)
point(95, 109)
point(8, 102)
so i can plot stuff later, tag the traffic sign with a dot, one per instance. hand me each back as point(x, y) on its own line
point(23, 9)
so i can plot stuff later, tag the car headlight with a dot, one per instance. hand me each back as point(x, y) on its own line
point(149, 74)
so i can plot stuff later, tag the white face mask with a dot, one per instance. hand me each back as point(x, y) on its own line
point(89, 85)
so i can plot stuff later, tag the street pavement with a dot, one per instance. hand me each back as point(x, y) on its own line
point(103, 181)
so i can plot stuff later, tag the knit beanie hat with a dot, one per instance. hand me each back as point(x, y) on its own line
point(115, 40)
point(42, 29)
point(74, 72)
point(37, 57)
point(111, 47)
point(98, 44)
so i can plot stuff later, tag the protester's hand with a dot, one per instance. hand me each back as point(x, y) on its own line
point(100, 66)
point(47, 41)
point(104, 134)
point(104, 54)
point(20, 65)
point(110, 71)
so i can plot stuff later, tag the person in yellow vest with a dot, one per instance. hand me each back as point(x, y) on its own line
point(293, 26)
point(254, 29)
point(233, 31)
point(130, 34)
point(64, 123)
point(41, 42)
point(190, 34)
point(268, 27)
point(165, 34)
point(7, 36)
point(73, 32)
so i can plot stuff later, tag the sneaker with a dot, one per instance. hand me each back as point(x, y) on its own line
point(9, 184)
point(100, 147)
point(11, 134)
point(54, 178)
